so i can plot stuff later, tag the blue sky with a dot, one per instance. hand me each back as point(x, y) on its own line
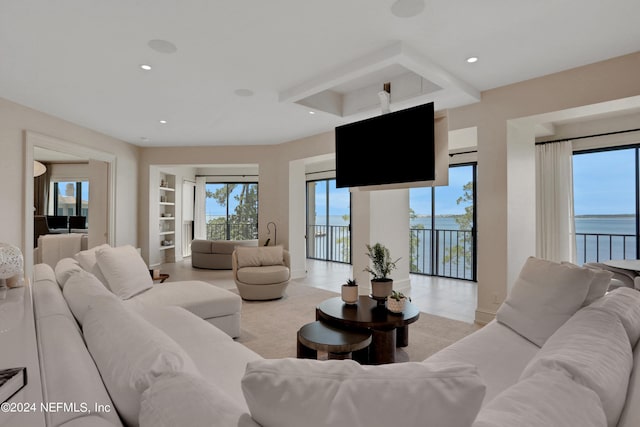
point(604, 182)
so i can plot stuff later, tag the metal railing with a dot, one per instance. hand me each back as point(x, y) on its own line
point(232, 231)
point(330, 243)
point(445, 253)
point(596, 247)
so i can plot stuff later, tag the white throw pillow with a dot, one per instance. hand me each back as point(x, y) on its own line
point(125, 270)
point(183, 400)
point(130, 354)
point(312, 393)
point(82, 291)
point(599, 283)
point(256, 257)
point(593, 349)
point(548, 398)
point(624, 303)
point(545, 295)
point(87, 260)
point(271, 255)
point(65, 268)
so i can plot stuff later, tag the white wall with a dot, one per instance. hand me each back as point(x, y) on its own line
point(15, 119)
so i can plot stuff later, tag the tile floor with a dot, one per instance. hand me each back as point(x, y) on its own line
point(450, 298)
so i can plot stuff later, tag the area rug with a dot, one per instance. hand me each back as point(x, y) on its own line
point(269, 328)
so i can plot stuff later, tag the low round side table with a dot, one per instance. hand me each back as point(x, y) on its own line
point(339, 343)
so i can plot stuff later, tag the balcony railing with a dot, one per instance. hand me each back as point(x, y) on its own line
point(595, 247)
point(330, 243)
point(451, 256)
point(232, 231)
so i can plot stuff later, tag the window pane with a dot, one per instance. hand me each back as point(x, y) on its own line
point(232, 211)
point(216, 211)
point(420, 225)
point(339, 239)
point(66, 198)
point(604, 204)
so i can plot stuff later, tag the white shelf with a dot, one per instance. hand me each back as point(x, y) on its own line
point(164, 233)
point(167, 203)
point(167, 218)
point(167, 189)
point(164, 248)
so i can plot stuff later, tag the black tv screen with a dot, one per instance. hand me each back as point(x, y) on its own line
point(393, 148)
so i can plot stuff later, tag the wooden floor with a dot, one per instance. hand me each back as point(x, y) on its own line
point(450, 298)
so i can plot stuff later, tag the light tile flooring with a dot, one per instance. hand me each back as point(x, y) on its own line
point(454, 299)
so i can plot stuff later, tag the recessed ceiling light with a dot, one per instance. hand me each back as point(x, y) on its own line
point(407, 8)
point(164, 122)
point(145, 67)
point(243, 92)
point(144, 139)
point(312, 112)
point(472, 59)
point(162, 46)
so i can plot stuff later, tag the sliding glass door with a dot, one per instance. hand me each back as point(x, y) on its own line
point(442, 226)
point(328, 221)
point(232, 211)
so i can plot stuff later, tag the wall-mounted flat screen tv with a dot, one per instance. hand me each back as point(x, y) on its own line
point(393, 148)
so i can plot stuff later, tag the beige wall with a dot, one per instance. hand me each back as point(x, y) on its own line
point(15, 119)
point(505, 118)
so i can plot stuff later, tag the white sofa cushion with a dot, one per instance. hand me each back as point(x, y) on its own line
point(82, 291)
point(593, 348)
point(219, 359)
point(64, 268)
point(309, 393)
point(484, 349)
point(130, 354)
point(624, 303)
point(599, 284)
point(545, 399)
point(125, 270)
point(88, 262)
point(183, 400)
point(256, 257)
point(269, 274)
point(545, 295)
point(631, 411)
point(202, 299)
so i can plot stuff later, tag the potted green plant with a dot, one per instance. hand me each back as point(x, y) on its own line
point(381, 266)
point(350, 292)
point(396, 302)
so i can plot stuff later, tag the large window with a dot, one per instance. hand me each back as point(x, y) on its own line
point(605, 187)
point(66, 201)
point(328, 221)
point(442, 226)
point(232, 211)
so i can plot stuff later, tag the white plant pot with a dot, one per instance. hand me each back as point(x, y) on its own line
point(381, 288)
point(396, 306)
point(350, 294)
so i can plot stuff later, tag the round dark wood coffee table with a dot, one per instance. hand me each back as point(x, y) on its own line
point(388, 330)
point(338, 343)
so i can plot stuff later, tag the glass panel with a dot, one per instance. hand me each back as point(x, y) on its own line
point(317, 219)
point(339, 238)
point(604, 193)
point(66, 198)
point(243, 211)
point(454, 224)
point(420, 229)
point(216, 211)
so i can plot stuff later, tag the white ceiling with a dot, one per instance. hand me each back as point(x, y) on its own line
point(79, 59)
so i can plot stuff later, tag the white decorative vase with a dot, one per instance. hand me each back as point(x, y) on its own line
point(350, 294)
point(381, 288)
point(396, 306)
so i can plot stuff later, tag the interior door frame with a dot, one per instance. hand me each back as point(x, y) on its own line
point(34, 139)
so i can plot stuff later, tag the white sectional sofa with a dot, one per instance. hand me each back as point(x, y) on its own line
point(559, 354)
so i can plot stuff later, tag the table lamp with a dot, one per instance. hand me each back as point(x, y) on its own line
point(11, 265)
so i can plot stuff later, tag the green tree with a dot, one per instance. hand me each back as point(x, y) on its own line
point(242, 224)
point(461, 250)
point(414, 242)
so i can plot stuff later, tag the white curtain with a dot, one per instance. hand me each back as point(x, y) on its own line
point(199, 214)
point(555, 226)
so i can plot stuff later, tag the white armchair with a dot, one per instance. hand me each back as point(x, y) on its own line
point(261, 273)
